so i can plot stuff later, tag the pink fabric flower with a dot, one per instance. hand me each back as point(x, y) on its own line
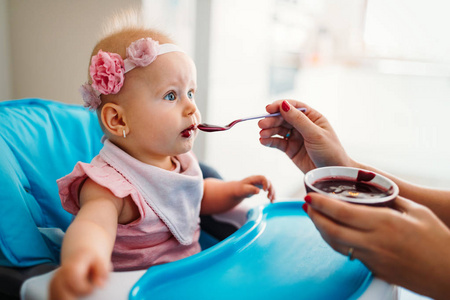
point(107, 72)
point(91, 98)
point(142, 52)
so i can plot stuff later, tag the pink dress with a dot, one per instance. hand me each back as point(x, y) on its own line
point(148, 240)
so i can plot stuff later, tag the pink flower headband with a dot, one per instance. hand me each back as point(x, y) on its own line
point(107, 69)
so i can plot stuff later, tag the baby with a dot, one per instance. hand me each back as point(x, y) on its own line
point(138, 202)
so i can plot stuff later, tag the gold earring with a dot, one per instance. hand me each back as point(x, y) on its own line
point(124, 134)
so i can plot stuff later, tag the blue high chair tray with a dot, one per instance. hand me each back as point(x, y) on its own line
point(277, 254)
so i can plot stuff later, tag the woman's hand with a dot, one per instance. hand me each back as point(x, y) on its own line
point(311, 140)
point(407, 246)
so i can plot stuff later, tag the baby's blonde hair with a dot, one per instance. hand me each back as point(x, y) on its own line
point(121, 30)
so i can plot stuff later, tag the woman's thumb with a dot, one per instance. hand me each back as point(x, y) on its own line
point(297, 119)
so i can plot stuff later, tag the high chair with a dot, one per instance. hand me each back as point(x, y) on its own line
point(276, 254)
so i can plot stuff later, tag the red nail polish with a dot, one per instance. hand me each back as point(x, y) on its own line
point(285, 106)
point(308, 199)
point(305, 207)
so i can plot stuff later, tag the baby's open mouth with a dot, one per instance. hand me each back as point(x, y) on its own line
point(188, 131)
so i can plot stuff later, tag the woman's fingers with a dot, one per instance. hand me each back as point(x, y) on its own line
point(350, 229)
point(299, 120)
point(360, 217)
point(282, 138)
point(279, 131)
point(402, 205)
point(271, 122)
point(348, 241)
point(277, 143)
point(279, 121)
point(302, 124)
point(275, 106)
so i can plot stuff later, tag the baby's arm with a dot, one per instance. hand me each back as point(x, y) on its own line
point(88, 243)
point(220, 196)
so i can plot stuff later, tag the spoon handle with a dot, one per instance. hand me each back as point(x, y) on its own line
point(269, 115)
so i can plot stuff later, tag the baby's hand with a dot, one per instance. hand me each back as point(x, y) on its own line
point(251, 186)
point(79, 276)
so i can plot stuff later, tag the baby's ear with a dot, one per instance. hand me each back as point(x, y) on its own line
point(113, 119)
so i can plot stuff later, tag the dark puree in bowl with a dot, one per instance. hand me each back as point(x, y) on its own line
point(350, 188)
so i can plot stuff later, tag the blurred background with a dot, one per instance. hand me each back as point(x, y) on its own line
point(379, 70)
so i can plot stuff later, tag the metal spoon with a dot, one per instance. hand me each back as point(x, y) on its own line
point(211, 128)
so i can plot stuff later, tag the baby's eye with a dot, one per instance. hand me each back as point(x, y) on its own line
point(170, 96)
point(190, 94)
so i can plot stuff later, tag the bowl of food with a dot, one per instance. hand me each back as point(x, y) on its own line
point(352, 185)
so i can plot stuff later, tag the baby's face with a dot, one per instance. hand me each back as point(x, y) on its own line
point(160, 109)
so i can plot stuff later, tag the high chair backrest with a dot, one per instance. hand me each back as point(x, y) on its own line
point(40, 141)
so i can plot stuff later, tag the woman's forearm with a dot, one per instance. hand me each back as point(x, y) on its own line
point(434, 199)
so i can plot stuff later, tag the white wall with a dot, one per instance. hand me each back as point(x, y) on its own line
point(50, 44)
point(5, 66)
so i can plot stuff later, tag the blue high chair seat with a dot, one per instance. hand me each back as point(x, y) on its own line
point(40, 141)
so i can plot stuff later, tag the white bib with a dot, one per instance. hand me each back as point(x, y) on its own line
point(175, 196)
